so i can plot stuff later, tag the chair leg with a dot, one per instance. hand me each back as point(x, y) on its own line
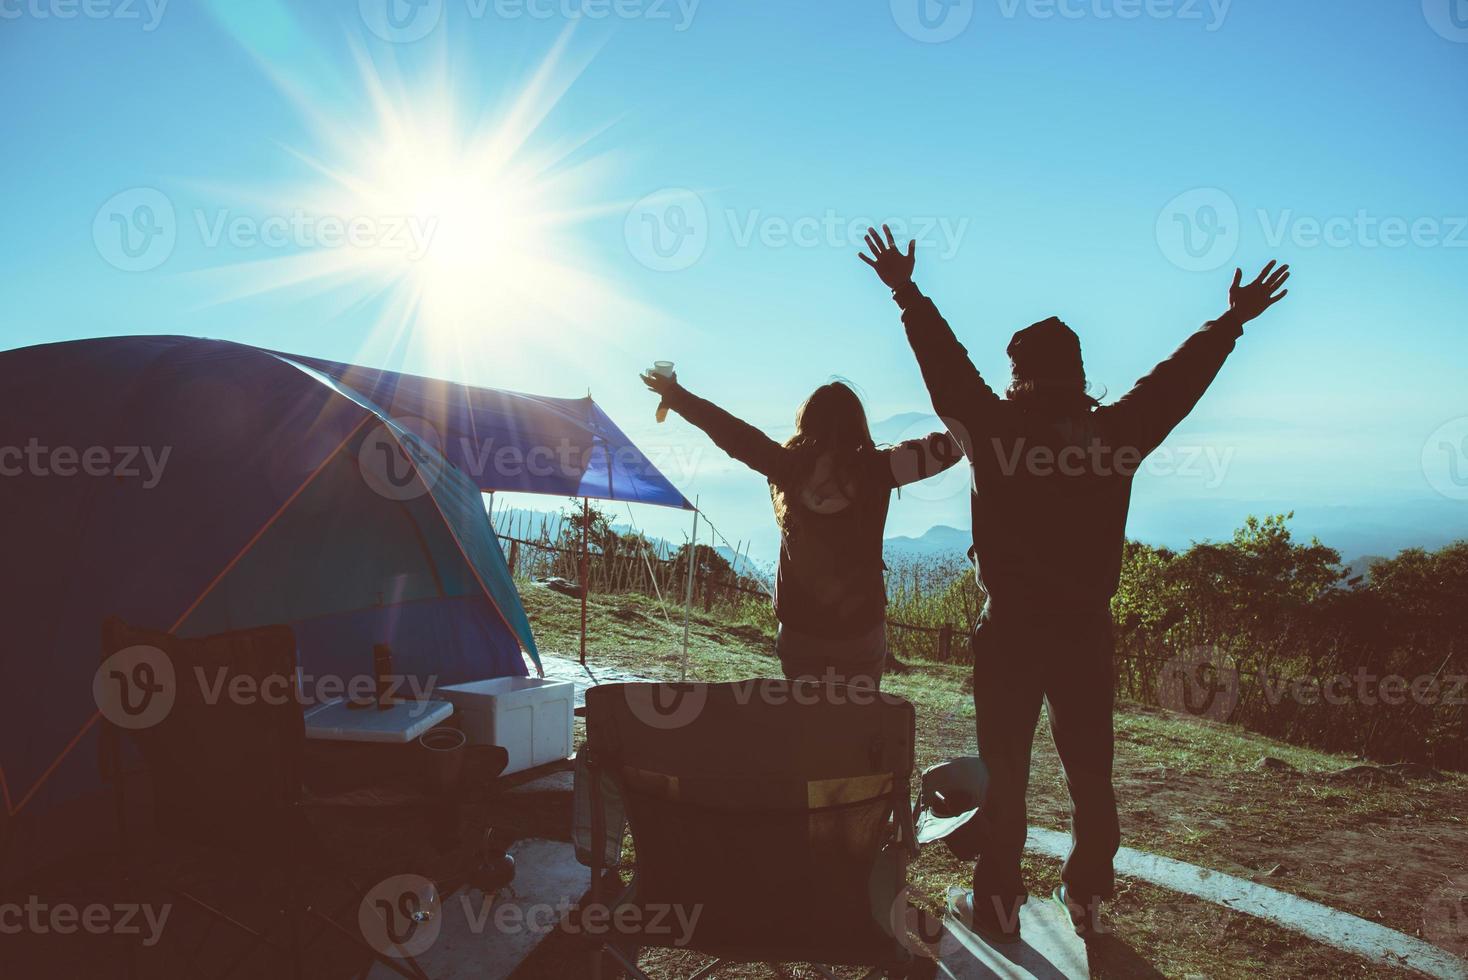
point(209, 923)
point(111, 753)
point(225, 917)
point(296, 954)
point(407, 966)
point(596, 963)
point(628, 964)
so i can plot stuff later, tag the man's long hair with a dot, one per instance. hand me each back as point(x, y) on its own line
point(830, 423)
point(1048, 373)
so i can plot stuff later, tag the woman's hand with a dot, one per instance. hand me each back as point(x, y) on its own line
point(892, 267)
point(1247, 302)
point(659, 383)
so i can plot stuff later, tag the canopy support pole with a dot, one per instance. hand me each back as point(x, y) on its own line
point(585, 569)
point(688, 600)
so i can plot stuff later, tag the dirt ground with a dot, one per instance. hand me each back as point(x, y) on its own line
point(1389, 847)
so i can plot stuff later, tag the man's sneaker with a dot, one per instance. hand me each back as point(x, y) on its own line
point(987, 921)
point(1084, 918)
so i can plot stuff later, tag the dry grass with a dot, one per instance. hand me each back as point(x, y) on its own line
point(1189, 790)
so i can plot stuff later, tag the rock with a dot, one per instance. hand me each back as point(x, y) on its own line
point(1270, 762)
point(1397, 772)
point(564, 587)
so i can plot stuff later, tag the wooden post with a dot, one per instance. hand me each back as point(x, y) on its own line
point(688, 598)
point(585, 568)
point(514, 556)
point(945, 642)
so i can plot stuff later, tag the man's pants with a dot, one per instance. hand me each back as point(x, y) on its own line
point(856, 661)
point(1067, 663)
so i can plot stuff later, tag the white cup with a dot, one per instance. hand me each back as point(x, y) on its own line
point(662, 368)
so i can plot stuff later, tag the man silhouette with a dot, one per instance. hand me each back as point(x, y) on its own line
point(1052, 475)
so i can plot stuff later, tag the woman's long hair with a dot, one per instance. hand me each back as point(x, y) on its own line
point(831, 423)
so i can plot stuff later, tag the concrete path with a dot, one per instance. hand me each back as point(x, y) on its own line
point(1049, 949)
point(1319, 922)
point(476, 940)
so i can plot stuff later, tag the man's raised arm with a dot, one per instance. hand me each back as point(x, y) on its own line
point(960, 396)
point(1157, 403)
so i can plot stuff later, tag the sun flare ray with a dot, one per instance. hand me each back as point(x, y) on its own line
point(462, 226)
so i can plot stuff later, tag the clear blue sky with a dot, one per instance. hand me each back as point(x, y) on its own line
point(1043, 148)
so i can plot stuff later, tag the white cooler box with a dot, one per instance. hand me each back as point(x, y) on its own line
point(530, 717)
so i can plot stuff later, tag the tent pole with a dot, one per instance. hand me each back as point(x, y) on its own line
point(688, 600)
point(585, 569)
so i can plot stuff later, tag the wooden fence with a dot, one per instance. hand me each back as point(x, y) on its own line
point(1434, 733)
point(637, 570)
point(630, 570)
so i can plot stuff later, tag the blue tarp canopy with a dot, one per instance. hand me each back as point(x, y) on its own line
point(198, 486)
point(504, 440)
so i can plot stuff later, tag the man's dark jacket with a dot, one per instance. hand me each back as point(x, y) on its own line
point(1051, 486)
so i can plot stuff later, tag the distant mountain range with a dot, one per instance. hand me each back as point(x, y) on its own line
point(1161, 514)
point(936, 542)
point(1361, 567)
point(1373, 529)
point(951, 542)
point(1367, 531)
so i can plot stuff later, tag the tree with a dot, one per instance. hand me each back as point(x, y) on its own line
point(708, 563)
point(599, 528)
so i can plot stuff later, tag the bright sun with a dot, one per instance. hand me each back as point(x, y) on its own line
point(457, 228)
point(470, 233)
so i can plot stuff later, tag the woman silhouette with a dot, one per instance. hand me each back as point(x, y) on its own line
point(831, 487)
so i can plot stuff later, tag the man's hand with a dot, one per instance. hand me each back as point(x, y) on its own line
point(1247, 302)
point(893, 268)
point(659, 383)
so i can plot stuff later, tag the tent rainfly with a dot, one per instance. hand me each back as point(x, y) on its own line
point(197, 486)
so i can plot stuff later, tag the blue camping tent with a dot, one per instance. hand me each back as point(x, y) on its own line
point(198, 486)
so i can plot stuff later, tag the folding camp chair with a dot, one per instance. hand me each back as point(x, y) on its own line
point(225, 764)
point(771, 822)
